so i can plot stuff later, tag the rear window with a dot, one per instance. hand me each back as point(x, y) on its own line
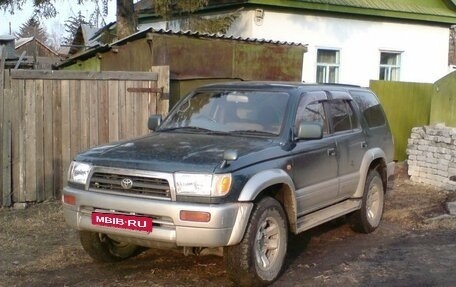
point(370, 108)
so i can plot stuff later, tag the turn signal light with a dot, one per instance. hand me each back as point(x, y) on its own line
point(198, 216)
point(223, 184)
point(69, 199)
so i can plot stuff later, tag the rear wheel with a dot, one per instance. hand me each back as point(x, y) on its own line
point(259, 258)
point(367, 219)
point(102, 248)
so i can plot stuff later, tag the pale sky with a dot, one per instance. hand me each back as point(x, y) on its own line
point(65, 9)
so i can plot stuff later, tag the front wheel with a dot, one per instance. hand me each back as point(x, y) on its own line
point(367, 219)
point(259, 258)
point(102, 248)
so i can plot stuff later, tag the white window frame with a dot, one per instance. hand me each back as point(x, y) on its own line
point(327, 67)
point(391, 72)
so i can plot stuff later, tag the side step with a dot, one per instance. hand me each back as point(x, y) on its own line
point(329, 213)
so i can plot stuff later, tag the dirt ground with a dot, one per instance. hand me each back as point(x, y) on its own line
point(414, 246)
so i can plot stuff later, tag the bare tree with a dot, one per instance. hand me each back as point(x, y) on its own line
point(126, 17)
point(43, 8)
point(56, 36)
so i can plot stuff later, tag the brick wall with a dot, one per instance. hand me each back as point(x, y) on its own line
point(431, 154)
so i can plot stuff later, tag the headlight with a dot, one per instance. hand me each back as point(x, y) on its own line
point(79, 172)
point(196, 184)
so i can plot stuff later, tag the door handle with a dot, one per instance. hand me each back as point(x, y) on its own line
point(363, 144)
point(331, 151)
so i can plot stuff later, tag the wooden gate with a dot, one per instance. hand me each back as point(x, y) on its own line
point(47, 117)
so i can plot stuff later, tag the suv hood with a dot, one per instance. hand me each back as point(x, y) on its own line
point(173, 151)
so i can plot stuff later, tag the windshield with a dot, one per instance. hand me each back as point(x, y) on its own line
point(247, 112)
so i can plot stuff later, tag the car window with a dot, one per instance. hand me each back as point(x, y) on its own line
point(312, 112)
point(369, 107)
point(260, 112)
point(342, 116)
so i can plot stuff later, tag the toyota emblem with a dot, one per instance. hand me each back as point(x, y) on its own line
point(126, 183)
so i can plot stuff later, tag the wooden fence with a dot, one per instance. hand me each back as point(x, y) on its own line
point(443, 108)
point(406, 105)
point(49, 116)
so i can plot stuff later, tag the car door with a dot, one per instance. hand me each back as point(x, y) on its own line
point(350, 140)
point(314, 161)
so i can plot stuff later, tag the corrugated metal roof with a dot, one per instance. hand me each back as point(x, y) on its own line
point(435, 11)
point(223, 36)
point(88, 34)
point(141, 34)
point(429, 7)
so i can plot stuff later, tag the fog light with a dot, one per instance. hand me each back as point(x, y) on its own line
point(198, 216)
point(69, 199)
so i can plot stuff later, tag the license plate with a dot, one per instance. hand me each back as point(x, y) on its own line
point(132, 222)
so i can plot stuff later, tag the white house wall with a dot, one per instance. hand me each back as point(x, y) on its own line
point(424, 48)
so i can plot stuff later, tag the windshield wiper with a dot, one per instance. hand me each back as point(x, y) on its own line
point(189, 128)
point(253, 132)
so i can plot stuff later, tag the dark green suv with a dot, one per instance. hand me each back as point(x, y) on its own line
point(233, 170)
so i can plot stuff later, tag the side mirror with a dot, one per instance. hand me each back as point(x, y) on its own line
point(309, 131)
point(228, 156)
point(154, 122)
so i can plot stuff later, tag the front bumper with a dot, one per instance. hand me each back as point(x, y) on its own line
point(226, 226)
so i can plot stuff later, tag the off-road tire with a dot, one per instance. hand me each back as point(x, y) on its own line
point(265, 238)
point(102, 248)
point(367, 219)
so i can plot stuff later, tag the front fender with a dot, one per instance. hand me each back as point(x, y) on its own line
point(262, 180)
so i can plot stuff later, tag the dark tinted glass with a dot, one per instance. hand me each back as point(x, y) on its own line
point(342, 116)
point(370, 108)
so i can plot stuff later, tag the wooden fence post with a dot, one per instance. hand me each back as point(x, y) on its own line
point(5, 138)
point(6, 168)
point(2, 99)
point(2, 68)
point(162, 83)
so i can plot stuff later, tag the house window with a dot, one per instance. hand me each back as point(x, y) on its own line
point(390, 65)
point(327, 66)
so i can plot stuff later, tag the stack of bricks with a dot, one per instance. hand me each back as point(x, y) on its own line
point(431, 154)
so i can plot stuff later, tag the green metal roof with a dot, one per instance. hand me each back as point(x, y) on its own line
point(437, 11)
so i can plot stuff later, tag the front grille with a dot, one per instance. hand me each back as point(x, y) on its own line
point(145, 186)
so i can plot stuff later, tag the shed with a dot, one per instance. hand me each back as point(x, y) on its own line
point(33, 46)
point(195, 58)
point(28, 53)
